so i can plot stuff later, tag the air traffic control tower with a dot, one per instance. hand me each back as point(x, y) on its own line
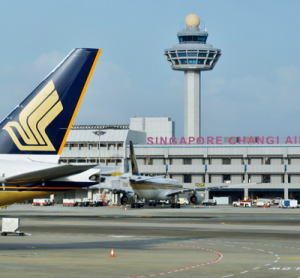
point(192, 55)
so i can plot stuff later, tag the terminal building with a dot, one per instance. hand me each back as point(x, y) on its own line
point(276, 167)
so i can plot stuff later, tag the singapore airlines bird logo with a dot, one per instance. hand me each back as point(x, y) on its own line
point(34, 119)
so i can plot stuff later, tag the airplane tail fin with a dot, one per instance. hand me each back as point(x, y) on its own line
point(134, 166)
point(40, 124)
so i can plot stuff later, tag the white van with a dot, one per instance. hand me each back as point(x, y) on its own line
point(183, 201)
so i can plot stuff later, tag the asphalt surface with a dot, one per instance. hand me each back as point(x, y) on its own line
point(220, 241)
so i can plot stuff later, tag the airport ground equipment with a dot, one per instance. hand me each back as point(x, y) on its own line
point(277, 200)
point(11, 226)
point(43, 202)
point(223, 200)
point(288, 204)
point(209, 202)
point(183, 201)
point(244, 203)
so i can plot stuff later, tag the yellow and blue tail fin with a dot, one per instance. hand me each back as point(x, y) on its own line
point(134, 166)
point(41, 122)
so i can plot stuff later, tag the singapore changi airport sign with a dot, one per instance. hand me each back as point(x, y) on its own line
point(219, 140)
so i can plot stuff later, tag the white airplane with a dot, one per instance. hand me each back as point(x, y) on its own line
point(157, 187)
point(33, 135)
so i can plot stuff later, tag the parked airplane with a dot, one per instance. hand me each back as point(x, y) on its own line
point(33, 135)
point(157, 187)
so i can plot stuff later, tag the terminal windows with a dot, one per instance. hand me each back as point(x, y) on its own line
point(149, 161)
point(187, 178)
point(187, 161)
point(226, 178)
point(226, 161)
point(266, 178)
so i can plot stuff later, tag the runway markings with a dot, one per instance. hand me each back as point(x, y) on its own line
point(244, 272)
point(228, 275)
point(220, 256)
point(256, 267)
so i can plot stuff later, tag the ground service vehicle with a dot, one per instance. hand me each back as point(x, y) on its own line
point(183, 201)
point(209, 202)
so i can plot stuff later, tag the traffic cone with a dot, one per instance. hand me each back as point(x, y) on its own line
point(112, 254)
point(209, 207)
point(264, 208)
point(125, 208)
point(115, 206)
point(194, 207)
point(32, 206)
point(121, 207)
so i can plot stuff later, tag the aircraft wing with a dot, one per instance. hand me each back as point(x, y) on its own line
point(113, 189)
point(184, 190)
point(141, 178)
point(221, 186)
point(43, 175)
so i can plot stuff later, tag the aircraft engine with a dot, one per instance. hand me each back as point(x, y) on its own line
point(196, 199)
point(128, 198)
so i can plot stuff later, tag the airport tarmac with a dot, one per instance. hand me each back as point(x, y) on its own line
point(220, 241)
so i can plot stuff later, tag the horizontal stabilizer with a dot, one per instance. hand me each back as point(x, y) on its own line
point(47, 174)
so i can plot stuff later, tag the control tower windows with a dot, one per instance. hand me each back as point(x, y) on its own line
point(176, 62)
point(192, 61)
point(173, 55)
point(183, 61)
point(199, 39)
point(182, 54)
point(192, 54)
point(208, 62)
point(211, 55)
point(200, 61)
point(201, 54)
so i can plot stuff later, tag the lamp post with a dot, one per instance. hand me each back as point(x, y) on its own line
point(99, 133)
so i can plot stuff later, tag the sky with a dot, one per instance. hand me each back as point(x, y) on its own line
point(253, 89)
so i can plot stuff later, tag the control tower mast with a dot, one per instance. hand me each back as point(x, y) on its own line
point(192, 55)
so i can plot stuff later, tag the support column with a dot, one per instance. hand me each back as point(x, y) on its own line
point(286, 193)
point(206, 194)
point(90, 194)
point(192, 113)
point(246, 192)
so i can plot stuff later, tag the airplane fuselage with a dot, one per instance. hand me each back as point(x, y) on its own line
point(156, 188)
